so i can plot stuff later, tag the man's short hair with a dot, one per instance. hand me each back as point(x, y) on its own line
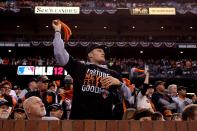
point(142, 113)
point(4, 102)
point(188, 112)
point(159, 83)
point(27, 102)
point(181, 88)
point(170, 86)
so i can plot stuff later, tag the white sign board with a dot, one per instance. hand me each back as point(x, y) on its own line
point(56, 10)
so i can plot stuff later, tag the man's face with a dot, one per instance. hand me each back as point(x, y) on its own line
point(56, 113)
point(4, 112)
point(97, 56)
point(150, 91)
point(36, 108)
point(19, 116)
point(174, 90)
point(5, 89)
point(161, 87)
point(43, 86)
point(33, 85)
point(53, 88)
point(183, 92)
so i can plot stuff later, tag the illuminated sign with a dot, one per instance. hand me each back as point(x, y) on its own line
point(56, 10)
point(162, 11)
point(25, 70)
point(41, 70)
point(153, 11)
point(139, 11)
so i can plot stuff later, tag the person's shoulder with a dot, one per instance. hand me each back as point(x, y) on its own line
point(175, 98)
point(73, 60)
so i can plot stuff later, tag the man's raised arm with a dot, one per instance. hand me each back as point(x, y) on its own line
point(61, 55)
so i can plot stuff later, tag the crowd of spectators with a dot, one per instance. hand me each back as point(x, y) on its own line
point(159, 68)
point(30, 61)
point(45, 99)
point(41, 99)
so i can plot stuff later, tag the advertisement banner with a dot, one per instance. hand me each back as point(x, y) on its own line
point(56, 10)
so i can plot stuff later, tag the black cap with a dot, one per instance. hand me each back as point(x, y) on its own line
point(43, 78)
point(94, 46)
point(19, 110)
point(151, 86)
point(54, 106)
point(32, 80)
point(4, 102)
point(159, 83)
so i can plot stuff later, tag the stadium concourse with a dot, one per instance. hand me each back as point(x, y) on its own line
point(121, 62)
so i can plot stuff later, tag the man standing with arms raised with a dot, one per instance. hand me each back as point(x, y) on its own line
point(96, 92)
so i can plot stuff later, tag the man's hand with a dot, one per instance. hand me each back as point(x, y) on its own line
point(109, 81)
point(56, 25)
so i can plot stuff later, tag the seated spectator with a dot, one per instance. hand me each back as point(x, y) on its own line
point(35, 109)
point(43, 82)
point(142, 115)
point(53, 87)
point(143, 97)
point(55, 110)
point(161, 100)
point(5, 109)
point(172, 89)
point(157, 116)
point(18, 114)
point(181, 100)
point(168, 115)
point(32, 86)
point(176, 117)
point(17, 90)
point(9, 91)
point(5, 91)
point(190, 113)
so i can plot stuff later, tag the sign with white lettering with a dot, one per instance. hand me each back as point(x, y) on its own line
point(41, 70)
point(56, 10)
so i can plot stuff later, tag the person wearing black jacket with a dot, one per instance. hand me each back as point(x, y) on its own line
point(97, 90)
